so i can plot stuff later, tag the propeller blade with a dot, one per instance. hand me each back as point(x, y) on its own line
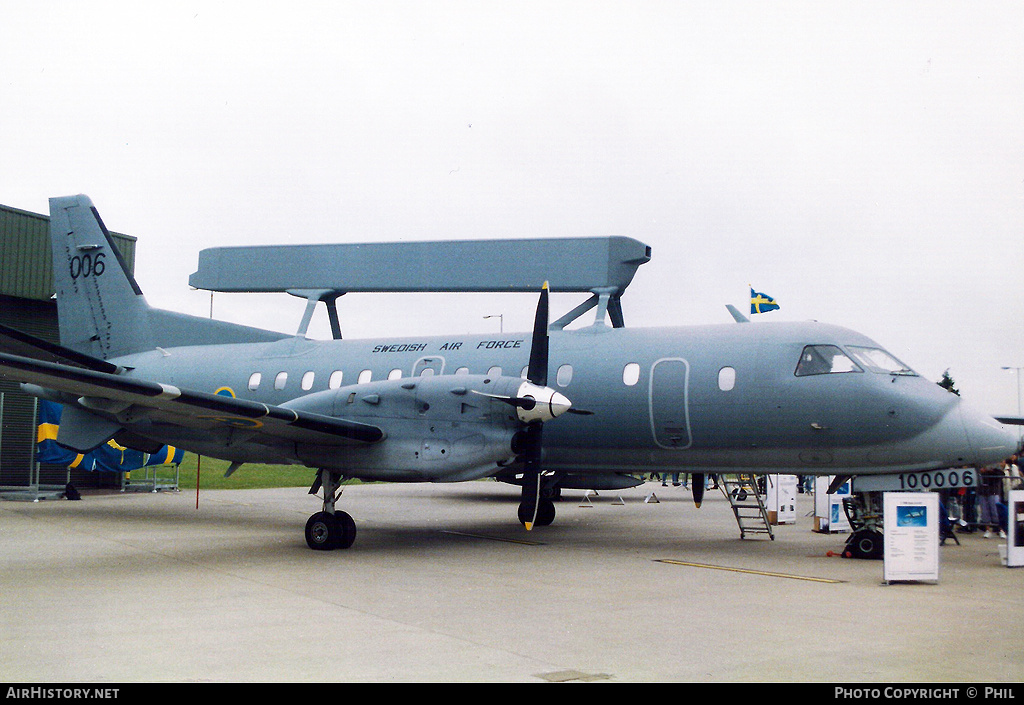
point(533, 437)
point(537, 372)
point(697, 483)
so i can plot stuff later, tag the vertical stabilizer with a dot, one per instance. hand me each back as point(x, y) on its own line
point(100, 308)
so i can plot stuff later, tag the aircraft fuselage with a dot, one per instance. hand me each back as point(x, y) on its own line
point(692, 399)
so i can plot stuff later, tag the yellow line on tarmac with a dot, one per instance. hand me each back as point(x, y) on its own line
point(751, 572)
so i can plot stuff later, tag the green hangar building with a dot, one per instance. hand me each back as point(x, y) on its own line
point(27, 304)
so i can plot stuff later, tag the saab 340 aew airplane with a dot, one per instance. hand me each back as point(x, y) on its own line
point(795, 398)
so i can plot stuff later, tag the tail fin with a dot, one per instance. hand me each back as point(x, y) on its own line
point(100, 308)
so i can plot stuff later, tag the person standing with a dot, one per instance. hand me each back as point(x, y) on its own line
point(988, 495)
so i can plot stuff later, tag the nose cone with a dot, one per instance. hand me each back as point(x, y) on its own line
point(990, 440)
point(545, 405)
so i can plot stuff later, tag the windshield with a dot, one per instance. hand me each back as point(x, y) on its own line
point(824, 360)
point(878, 360)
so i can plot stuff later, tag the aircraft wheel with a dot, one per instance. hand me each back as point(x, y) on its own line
point(326, 531)
point(865, 544)
point(320, 531)
point(545, 512)
point(347, 533)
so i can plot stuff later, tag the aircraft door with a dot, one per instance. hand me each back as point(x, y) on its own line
point(670, 420)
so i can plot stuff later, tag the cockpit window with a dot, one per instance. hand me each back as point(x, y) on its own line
point(824, 360)
point(878, 360)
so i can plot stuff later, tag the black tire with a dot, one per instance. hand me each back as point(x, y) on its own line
point(346, 534)
point(326, 531)
point(545, 513)
point(865, 544)
point(321, 531)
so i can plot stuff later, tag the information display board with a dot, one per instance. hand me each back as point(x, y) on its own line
point(911, 536)
point(829, 514)
point(1015, 532)
point(781, 504)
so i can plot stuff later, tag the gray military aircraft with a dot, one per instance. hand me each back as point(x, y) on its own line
point(801, 398)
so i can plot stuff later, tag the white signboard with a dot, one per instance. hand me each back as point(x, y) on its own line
point(829, 514)
point(1015, 533)
point(911, 536)
point(781, 503)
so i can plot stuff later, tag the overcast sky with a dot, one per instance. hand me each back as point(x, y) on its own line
point(862, 162)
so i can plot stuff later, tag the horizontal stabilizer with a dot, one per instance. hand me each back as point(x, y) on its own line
point(1011, 420)
point(15, 342)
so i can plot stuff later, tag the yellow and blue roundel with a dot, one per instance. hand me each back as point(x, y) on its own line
point(225, 392)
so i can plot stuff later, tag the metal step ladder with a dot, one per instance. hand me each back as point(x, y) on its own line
point(747, 505)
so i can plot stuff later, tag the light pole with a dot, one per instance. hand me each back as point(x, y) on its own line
point(501, 321)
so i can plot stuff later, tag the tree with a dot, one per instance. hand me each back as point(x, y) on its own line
point(948, 384)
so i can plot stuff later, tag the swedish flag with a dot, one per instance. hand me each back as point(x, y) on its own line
point(760, 303)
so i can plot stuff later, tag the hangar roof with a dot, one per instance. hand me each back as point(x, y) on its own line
point(26, 262)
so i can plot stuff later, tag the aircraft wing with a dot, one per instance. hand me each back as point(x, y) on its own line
point(125, 397)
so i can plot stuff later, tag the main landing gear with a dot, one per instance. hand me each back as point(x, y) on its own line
point(329, 529)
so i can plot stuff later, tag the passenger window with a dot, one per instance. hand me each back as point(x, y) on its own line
point(365, 376)
point(824, 360)
point(631, 374)
point(280, 380)
point(335, 379)
point(727, 379)
point(427, 372)
point(395, 374)
point(307, 380)
point(462, 371)
point(525, 372)
point(494, 371)
point(564, 375)
point(254, 381)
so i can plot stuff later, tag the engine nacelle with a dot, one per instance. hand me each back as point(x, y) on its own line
point(438, 429)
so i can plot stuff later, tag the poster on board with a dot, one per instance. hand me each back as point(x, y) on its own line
point(1015, 529)
point(781, 504)
point(829, 513)
point(911, 536)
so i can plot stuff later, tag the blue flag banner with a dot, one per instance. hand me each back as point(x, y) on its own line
point(109, 457)
point(760, 303)
point(168, 455)
point(47, 450)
